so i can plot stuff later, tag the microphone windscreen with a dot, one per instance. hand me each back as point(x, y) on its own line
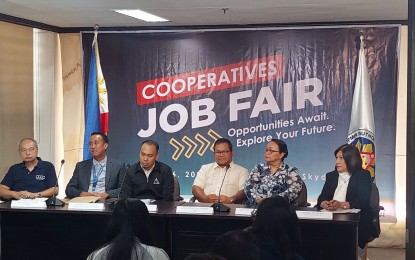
point(62, 161)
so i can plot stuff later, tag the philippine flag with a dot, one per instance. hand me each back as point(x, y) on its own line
point(362, 123)
point(96, 109)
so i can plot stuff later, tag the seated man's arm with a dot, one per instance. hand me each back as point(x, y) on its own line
point(199, 184)
point(72, 189)
point(168, 185)
point(237, 198)
point(6, 193)
point(199, 194)
point(6, 183)
point(240, 196)
point(51, 181)
point(118, 175)
point(49, 192)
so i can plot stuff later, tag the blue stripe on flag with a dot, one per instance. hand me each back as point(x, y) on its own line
point(92, 121)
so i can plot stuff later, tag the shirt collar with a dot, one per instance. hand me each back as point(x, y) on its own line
point(148, 171)
point(38, 165)
point(103, 162)
point(281, 167)
point(231, 164)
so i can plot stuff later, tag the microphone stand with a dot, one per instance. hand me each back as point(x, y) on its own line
point(111, 205)
point(219, 206)
point(54, 201)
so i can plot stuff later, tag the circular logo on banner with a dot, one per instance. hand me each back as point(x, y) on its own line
point(364, 140)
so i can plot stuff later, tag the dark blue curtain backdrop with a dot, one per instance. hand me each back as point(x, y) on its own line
point(185, 89)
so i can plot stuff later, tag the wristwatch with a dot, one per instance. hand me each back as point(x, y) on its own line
point(39, 194)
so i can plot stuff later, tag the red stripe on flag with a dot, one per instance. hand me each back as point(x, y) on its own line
point(104, 122)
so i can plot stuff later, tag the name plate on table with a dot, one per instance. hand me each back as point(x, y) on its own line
point(244, 211)
point(29, 204)
point(85, 206)
point(151, 208)
point(194, 210)
point(147, 201)
point(314, 215)
point(342, 211)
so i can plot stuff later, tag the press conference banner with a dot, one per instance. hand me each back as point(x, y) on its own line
point(185, 89)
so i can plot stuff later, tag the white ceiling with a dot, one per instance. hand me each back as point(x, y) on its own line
point(87, 13)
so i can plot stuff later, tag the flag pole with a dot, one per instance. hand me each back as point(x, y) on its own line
point(362, 124)
point(95, 86)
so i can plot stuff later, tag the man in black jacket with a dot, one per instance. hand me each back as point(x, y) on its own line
point(149, 178)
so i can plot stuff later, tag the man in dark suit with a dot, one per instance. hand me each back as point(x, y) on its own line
point(99, 176)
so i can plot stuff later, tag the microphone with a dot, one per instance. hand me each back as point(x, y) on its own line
point(122, 183)
point(111, 205)
point(219, 207)
point(54, 201)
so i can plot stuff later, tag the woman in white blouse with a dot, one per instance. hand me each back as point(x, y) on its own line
point(347, 187)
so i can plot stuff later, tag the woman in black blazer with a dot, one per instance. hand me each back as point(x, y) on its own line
point(347, 187)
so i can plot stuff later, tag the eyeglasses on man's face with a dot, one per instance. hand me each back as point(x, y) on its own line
point(30, 150)
point(222, 152)
point(269, 150)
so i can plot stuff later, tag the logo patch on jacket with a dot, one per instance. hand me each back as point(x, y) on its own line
point(40, 177)
point(156, 181)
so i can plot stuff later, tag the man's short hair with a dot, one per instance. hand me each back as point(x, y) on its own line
point(24, 139)
point(151, 142)
point(104, 136)
point(223, 141)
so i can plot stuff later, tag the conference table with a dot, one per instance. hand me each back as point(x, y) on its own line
point(59, 233)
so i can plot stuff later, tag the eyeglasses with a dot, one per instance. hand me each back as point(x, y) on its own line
point(222, 152)
point(30, 150)
point(270, 150)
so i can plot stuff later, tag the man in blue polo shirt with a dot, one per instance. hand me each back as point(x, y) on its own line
point(32, 178)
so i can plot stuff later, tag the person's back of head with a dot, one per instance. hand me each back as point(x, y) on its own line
point(130, 222)
point(237, 245)
point(276, 227)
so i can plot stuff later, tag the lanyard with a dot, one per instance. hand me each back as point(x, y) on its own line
point(96, 175)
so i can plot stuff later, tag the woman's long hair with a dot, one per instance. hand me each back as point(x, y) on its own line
point(351, 157)
point(276, 227)
point(130, 222)
point(237, 245)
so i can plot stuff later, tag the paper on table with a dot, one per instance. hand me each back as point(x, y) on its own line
point(86, 199)
point(244, 211)
point(314, 214)
point(37, 203)
point(342, 210)
point(194, 210)
point(33, 200)
point(41, 199)
point(151, 208)
point(147, 201)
